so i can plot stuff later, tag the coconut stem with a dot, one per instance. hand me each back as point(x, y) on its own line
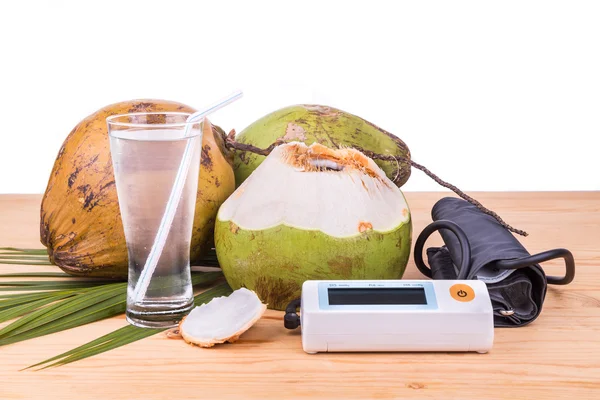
point(231, 143)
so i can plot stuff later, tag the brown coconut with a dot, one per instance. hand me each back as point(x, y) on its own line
point(80, 218)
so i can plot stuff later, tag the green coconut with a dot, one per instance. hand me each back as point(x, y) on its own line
point(326, 125)
point(311, 212)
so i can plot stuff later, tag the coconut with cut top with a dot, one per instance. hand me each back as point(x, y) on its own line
point(312, 212)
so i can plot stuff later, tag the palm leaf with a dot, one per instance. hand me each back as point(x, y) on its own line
point(19, 256)
point(4, 256)
point(125, 335)
point(45, 285)
point(104, 309)
point(36, 275)
point(21, 309)
point(56, 284)
point(14, 262)
point(10, 300)
point(45, 306)
point(69, 309)
point(72, 305)
point(43, 252)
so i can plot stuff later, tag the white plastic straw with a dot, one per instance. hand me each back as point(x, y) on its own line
point(173, 202)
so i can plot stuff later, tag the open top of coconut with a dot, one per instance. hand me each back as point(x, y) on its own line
point(223, 319)
point(340, 192)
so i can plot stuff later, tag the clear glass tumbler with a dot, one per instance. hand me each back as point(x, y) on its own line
point(146, 151)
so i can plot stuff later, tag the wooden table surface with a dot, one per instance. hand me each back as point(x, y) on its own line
point(557, 356)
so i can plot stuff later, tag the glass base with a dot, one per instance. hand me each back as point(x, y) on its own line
point(157, 318)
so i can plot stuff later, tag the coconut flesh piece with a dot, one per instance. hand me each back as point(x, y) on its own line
point(223, 319)
point(346, 195)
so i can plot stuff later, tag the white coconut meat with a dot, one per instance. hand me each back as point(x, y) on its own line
point(340, 192)
point(223, 319)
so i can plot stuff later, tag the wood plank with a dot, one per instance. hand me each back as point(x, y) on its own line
point(558, 356)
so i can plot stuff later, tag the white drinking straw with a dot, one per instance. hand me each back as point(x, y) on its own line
point(173, 202)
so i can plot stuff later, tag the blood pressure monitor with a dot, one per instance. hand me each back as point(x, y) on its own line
point(394, 315)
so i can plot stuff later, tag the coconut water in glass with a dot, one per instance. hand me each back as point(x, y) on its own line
point(146, 151)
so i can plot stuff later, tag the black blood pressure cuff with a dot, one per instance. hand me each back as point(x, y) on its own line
point(476, 246)
point(516, 299)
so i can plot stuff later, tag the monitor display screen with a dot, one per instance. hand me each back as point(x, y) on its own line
point(376, 296)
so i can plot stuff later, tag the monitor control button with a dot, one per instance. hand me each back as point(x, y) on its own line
point(462, 292)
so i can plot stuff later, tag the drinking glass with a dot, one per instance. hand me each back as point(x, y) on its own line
point(146, 151)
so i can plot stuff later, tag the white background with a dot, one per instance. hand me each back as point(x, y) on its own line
point(489, 95)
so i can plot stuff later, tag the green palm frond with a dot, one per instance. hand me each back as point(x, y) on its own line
point(21, 250)
point(36, 275)
point(51, 302)
point(18, 256)
point(125, 335)
point(57, 310)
